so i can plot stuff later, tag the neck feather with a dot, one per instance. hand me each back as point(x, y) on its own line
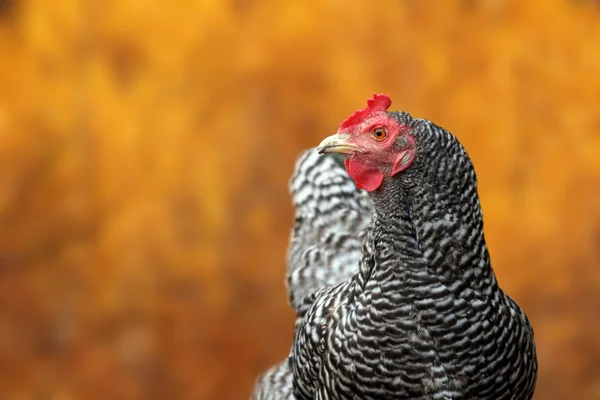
point(420, 226)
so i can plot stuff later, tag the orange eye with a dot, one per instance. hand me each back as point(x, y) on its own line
point(379, 133)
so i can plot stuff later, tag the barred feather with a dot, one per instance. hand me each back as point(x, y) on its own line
point(331, 217)
point(419, 313)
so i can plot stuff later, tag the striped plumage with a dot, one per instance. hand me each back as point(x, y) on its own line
point(331, 218)
point(420, 315)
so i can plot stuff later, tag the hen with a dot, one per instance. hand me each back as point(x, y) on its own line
point(395, 296)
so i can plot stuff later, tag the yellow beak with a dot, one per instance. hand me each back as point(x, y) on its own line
point(338, 143)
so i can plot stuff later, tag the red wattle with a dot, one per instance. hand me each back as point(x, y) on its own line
point(365, 177)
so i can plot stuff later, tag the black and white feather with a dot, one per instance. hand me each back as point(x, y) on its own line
point(396, 296)
point(331, 217)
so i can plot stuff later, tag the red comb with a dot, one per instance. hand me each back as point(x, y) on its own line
point(379, 102)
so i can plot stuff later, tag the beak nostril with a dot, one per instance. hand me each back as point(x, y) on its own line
point(337, 143)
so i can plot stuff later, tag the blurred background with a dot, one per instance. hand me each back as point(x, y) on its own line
point(145, 150)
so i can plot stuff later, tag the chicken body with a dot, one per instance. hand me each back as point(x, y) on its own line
point(331, 218)
point(417, 312)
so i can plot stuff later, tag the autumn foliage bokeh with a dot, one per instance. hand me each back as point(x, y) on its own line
point(145, 149)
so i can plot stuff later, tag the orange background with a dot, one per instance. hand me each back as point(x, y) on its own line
point(145, 149)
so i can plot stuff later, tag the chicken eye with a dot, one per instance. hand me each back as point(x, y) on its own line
point(379, 133)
